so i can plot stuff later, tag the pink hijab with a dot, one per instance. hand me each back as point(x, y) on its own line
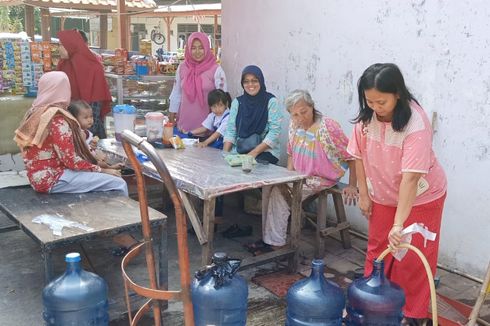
point(54, 88)
point(192, 83)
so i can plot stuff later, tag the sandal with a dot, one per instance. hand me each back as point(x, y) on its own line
point(265, 249)
point(254, 246)
point(236, 231)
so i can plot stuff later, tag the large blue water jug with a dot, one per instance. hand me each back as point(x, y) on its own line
point(374, 300)
point(76, 298)
point(315, 301)
point(219, 295)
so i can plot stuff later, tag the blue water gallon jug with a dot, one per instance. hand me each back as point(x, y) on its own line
point(374, 300)
point(219, 295)
point(76, 298)
point(315, 301)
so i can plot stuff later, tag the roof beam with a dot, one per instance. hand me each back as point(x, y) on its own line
point(179, 13)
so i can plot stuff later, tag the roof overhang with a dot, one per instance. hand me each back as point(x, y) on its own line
point(90, 5)
point(213, 9)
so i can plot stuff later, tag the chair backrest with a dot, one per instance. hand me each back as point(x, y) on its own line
point(155, 293)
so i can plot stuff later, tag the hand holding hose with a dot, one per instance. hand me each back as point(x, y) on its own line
point(395, 236)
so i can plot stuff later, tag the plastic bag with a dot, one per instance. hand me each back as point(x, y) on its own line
point(57, 223)
point(407, 238)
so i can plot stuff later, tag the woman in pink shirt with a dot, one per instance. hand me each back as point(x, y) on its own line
point(198, 75)
point(400, 180)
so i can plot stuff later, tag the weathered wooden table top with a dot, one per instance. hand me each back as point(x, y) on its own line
point(104, 212)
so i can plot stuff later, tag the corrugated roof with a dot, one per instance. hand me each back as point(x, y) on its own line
point(188, 8)
point(109, 4)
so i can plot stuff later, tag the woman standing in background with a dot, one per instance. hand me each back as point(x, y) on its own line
point(195, 78)
point(86, 76)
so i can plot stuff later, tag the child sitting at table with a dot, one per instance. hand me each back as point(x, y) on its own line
point(82, 111)
point(219, 101)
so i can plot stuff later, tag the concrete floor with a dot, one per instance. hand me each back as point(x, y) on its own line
point(21, 275)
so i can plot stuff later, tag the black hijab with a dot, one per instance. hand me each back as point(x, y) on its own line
point(253, 110)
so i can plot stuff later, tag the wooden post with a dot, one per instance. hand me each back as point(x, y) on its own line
point(103, 31)
point(62, 23)
point(208, 224)
point(45, 24)
point(295, 230)
point(123, 24)
point(29, 16)
point(215, 31)
point(168, 21)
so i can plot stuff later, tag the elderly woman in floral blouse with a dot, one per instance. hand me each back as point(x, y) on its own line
point(316, 147)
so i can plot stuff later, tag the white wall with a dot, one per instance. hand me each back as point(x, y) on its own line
point(441, 46)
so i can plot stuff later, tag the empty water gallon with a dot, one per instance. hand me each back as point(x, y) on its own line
point(76, 298)
point(219, 295)
point(315, 301)
point(374, 300)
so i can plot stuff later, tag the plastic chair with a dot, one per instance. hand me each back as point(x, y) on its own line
point(154, 293)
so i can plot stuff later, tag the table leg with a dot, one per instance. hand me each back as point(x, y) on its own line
point(321, 223)
point(48, 267)
point(163, 263)
point(208, 227)
point(295, 225)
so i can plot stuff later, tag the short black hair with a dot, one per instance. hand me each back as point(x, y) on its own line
point(84, 35)
point(386, 78)
point(219, 96)
point(76, 106)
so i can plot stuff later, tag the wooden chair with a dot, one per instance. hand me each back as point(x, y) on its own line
point(319, 219)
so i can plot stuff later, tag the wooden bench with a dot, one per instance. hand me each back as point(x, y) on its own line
point(107, 213)
point(320, 222)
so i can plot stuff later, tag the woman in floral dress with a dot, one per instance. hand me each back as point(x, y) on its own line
point(55, 154)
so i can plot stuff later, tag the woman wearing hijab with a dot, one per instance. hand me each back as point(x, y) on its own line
point(55, 153)
point(86, 76)
point(195, 78)
point(256, 112)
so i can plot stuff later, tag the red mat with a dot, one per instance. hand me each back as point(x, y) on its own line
point(277, 282)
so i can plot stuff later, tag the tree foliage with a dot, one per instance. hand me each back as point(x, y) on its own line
point(12, 19)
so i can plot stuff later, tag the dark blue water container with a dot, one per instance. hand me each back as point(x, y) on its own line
point(374, 300)
point(219, 295)
point(315, 301)
point(76, 298)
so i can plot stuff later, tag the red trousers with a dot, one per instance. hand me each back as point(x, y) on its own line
point(410, 272)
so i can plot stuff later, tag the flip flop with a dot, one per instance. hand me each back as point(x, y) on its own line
point(254, 246)
point(267, 248)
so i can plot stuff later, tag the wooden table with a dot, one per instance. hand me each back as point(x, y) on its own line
point(203, 172)
point(107, 213)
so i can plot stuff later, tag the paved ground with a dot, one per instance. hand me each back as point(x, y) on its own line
point(21, 276)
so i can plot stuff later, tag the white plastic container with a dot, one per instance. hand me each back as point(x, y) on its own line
point(124, 117)
point(154, 126)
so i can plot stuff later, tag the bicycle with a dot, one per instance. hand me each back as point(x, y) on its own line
point(156, 36)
